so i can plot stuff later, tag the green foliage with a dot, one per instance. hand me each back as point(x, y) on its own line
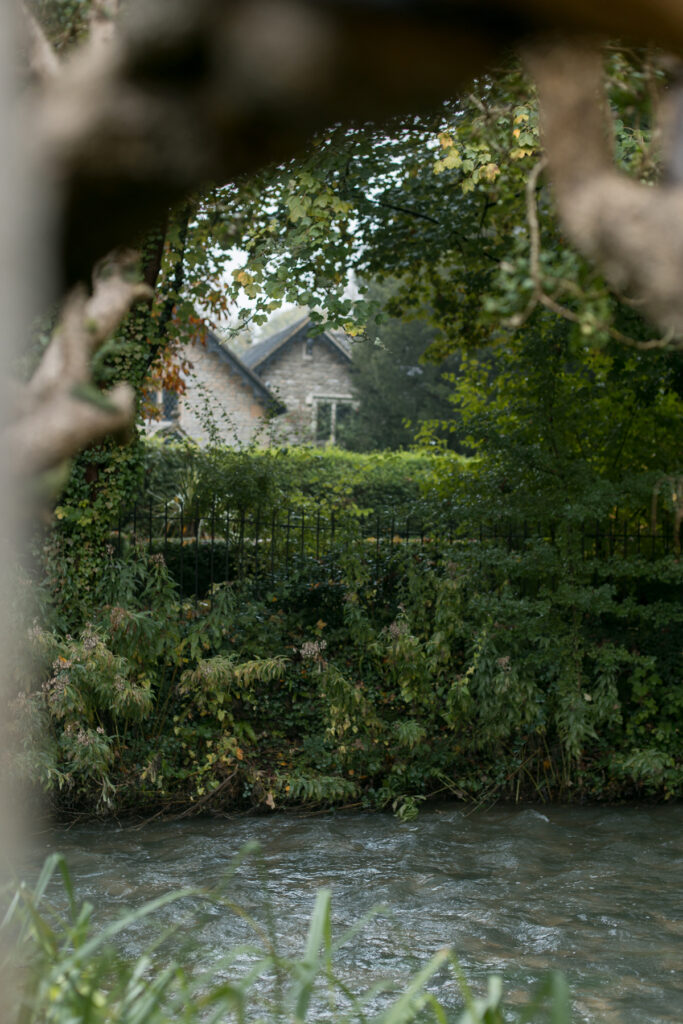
point(72, 971)
point(297, 477)
point(382, 674)
point(562, 429)
point(470, 669)
point(438, 203)
point(525, 669)
point(77, 553)
point(395, 386)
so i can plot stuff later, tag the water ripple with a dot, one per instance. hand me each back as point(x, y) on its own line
point(595, 892)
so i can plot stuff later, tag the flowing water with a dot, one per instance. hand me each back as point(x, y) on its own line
point(595, 892)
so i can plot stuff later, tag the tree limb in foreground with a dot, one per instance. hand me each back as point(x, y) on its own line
point(61, 412)
point(632, 231)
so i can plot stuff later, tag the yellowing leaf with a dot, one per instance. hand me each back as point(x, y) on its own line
point(451, 160)
point(353, 329)
point(490, 171)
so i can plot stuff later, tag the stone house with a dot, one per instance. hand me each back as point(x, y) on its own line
point(293, 387)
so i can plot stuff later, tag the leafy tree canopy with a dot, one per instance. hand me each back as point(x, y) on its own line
point(562, 428)
point(452, 204)
point(398, 390)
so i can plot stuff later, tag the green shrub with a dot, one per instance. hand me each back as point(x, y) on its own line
point(297, 477)
point(378, 678)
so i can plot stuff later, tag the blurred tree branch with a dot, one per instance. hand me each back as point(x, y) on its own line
point(60, 411)
point(632, 231)
point(190, 91)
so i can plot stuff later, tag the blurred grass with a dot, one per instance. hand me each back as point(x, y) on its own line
point(69, 971)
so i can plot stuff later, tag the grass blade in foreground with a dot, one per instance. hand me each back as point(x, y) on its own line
point(74, 975)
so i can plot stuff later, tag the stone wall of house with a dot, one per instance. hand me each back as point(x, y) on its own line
point(302, 375)
point(213, 387)
point(216, 394)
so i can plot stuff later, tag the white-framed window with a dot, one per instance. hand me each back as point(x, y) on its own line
point(329, 412)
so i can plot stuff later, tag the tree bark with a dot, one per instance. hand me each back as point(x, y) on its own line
point(22, 216)
point(633, 232)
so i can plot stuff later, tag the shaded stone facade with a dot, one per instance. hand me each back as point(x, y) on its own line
point(291, 388)
point(309, 371)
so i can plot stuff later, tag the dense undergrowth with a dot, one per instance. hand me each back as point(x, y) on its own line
point(366, 679)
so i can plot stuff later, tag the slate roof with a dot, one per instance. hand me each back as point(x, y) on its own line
point(256, 356)
point(251, 379)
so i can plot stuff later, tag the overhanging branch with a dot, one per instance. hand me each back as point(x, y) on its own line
point(60, 411)
point(633, 232)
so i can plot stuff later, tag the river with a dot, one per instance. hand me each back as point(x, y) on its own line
point(595, 892)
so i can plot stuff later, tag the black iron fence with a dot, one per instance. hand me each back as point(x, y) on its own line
point(202, 548)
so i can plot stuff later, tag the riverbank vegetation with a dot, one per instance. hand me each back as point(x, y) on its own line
point(498, 625)
point(477, 658)
point(522, 643)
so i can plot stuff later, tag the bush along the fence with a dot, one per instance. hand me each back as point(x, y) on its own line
point(223, 544)
point(167, 496)
point(452, 669)
point(299, 477)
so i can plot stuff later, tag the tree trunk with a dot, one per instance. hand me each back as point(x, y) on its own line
point(22, 207)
